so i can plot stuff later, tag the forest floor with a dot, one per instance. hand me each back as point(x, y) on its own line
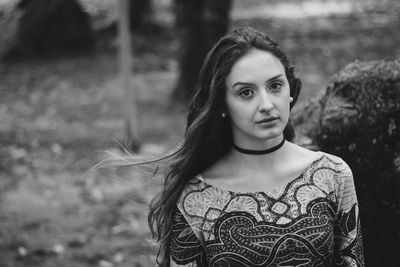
point(58, 116)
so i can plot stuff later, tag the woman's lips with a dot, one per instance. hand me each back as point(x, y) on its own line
point(267, 120)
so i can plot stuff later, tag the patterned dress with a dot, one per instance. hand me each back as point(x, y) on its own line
point(311, 221)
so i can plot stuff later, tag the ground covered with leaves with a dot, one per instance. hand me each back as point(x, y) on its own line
point(58, 116)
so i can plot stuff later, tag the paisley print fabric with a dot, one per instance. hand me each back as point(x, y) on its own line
point(312, 221)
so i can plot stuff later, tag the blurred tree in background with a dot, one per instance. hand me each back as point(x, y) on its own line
point(200, 23)
point(49, 27)
point(140, 15)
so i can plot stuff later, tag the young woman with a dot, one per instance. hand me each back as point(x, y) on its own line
point(238, 192)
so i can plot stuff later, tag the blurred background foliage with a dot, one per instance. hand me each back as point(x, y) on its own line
point(60, 106)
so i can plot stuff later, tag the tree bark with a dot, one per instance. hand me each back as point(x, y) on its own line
point(360, 122)
point(200, 24)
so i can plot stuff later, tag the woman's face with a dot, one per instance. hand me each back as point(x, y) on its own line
point(257, 99)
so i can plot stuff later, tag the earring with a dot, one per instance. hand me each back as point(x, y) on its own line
point(291, 99)
point(223, 115)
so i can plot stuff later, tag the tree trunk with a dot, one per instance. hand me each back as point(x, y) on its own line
point(131, 121)
point(200, 24)
point(140, 15)
point(360, 122)
point(52, 27)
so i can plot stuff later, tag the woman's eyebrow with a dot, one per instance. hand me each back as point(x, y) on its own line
point(248, 83)
point(241, 83)
point(275, 77)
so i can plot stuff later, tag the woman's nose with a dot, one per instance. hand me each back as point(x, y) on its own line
point(265, 103)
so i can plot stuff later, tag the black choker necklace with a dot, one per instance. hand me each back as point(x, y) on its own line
point(258, 152)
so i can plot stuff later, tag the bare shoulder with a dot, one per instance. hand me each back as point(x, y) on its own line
point(303, 154)
point(216, 170)
point(306, 155)
point(298, 158)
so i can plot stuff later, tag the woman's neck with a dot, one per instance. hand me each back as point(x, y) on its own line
point(258, 151)
point(257, 144)
point(260, 161)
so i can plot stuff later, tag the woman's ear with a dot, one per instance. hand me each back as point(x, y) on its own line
point(295, 91)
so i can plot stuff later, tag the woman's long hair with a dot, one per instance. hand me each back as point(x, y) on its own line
point(208, 137)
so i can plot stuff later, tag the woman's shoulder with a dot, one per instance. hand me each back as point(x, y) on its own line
point(337, 161)
point(217, 169)
point(305, 152)
point(192, 184)
point(330, 169)
point(337, 167)
point(333, 157)
point(326, 159)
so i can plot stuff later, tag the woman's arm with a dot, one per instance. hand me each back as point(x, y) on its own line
point(186, 249)
point(348, 240)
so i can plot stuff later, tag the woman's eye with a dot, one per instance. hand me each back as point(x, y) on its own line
point(246, 93)
point(276, 86)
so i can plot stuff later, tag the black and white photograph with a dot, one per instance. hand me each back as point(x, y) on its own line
point(199, 133)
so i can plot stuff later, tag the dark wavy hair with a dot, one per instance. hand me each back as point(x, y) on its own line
point(207, 137)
